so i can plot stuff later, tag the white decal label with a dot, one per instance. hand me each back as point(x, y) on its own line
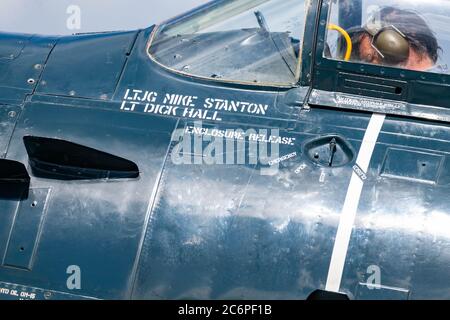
point(17, 294)
point(187, 106)
point(196, 144)
point(382, 105)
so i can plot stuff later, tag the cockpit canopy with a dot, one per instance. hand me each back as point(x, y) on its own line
point(255, 41)
point(260, 41)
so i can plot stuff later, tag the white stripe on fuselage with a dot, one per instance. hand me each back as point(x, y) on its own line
point(351, 203)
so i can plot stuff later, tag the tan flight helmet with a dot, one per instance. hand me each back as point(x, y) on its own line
point(391, 44)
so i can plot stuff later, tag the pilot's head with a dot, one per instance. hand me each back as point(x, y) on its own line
point(396, 37)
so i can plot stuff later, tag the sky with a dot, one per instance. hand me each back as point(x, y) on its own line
point(60, 17)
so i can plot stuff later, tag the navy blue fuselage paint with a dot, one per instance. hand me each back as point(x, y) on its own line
point(190, 227)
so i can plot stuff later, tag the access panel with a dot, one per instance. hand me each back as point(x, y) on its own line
point(89, 227)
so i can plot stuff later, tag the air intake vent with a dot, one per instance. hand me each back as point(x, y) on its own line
point(63, 160)
point(372, 86)
point(14, 180)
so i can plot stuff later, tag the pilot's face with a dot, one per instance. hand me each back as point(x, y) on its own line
point(415, 61)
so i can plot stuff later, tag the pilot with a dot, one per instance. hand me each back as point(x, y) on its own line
point(397, 37)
